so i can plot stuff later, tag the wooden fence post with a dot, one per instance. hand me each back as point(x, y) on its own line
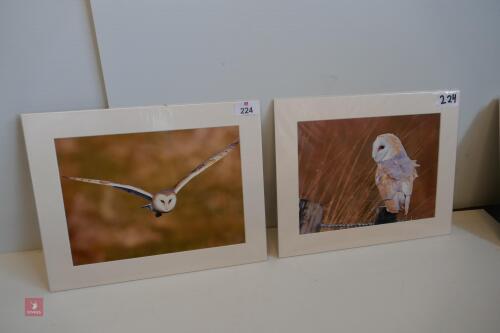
point(310, 216)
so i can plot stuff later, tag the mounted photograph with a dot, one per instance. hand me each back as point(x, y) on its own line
point(363, 170)
point(131, 193)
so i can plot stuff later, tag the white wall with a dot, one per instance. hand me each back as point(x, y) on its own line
point(195, 51)
point(48, 62)
point(184, 51)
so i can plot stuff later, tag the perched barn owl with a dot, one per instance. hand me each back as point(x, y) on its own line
point(165, 200)
point(395, 172)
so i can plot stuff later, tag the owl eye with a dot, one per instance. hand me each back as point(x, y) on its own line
point(169, 201)
point(162, 201)
point(381, 147)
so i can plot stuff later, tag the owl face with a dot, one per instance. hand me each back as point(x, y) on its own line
point(164, 203)
point(386, 147)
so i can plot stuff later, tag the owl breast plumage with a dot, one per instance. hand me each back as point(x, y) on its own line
point(395, 173)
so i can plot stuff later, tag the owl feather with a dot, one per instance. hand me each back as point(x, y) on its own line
point(395, 173)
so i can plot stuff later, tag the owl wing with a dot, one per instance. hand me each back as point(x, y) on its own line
point(127, 188)
point(399, 169)
point(205, 165)
point(397, 186)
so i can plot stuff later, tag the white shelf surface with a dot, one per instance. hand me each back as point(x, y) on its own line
point(440, 284)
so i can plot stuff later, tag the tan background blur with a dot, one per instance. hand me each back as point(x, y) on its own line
point(336, 168)
point(108, 224)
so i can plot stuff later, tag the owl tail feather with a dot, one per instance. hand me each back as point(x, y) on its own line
point(407, 204)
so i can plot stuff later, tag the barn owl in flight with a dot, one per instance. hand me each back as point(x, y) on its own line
point(395, 172)
point(163, 201)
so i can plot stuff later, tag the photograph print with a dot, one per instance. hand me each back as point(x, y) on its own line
point(143, 194)
point(361, 172)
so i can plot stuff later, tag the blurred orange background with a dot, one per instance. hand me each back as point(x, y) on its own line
point(107, 224)
point(336, 168)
